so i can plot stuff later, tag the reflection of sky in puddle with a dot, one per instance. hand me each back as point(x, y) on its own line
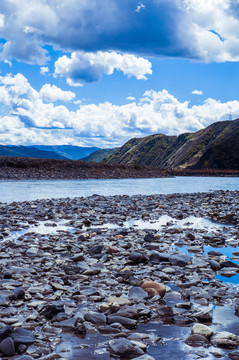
point(232, 279)
point(190, 222)
point(42, 229)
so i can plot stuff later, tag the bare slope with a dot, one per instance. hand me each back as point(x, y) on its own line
point(216, 146)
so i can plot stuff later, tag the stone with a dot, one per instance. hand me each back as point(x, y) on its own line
point(180, 260)
point(157, 257)
point(24, 357)
point(7, 347)
point(144, 357)
point(22, 336)
point(5, 332)
point(149, 238)
point(18, 293)
point(201, 329)
point(128, 312)
point(137, 293)
point(154, 288)
point(135, 256)
point(127, 323)
point(197, 340)
point(124, 348)
point(52, 309)
point(225, 339)
point(4, 301)
point(234, 355)
point(95, 318)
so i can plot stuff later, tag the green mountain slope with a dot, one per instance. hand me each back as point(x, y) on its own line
point(216, 146)
point(28, 152)
point(99, 155)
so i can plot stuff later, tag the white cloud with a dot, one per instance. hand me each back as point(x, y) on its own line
point(131, 98)
point(197, 92)
point(52, 93)
point(206, 30)
point(44, 70)
point(140, 7)
point(2, 20)
point(30, 120)
point(88, 67)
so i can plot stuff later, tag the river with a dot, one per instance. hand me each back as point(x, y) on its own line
point(27, 190)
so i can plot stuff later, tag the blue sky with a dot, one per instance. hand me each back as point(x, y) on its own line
point(97, 73)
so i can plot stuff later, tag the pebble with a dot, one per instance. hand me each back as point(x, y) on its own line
point(92, 278)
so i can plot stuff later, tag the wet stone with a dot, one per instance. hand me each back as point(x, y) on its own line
point(124, 348)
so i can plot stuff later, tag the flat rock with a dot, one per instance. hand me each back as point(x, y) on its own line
point(225, 339)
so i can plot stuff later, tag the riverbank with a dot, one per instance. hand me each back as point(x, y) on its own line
point(12, 168)
point(45, 169)
point(103, 277)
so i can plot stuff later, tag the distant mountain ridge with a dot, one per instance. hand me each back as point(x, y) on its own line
point(216, 146)
point(28, 152)
point(69, 151)
point(99, 155)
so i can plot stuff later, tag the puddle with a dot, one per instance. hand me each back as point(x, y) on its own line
point(44, 228)
point(93, 346)
point(191, 222)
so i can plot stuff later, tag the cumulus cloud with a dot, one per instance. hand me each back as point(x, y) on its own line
point(88, 67)
point(177, 28)
point(44, 70)
point(30, 120)
point(52, 93)
point(197, 92)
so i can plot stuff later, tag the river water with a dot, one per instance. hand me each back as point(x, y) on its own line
point(15, 190)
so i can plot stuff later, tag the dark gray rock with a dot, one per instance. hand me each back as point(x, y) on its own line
point(197, 340)
point(234, 355)
point(128, 312)
point(150, 238)
point(137, 293)
point(95, 318)
point(7, 347)
point(157, 257)
point(52, 309)
point(5, 332)
point(22, 336)
point(124, 348)
point(180, 260)
point(18, 293)
point(127, 323)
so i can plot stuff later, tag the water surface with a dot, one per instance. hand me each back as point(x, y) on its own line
point(21, 190)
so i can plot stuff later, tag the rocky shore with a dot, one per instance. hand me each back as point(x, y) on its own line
point(13, 168)
point(140, 277)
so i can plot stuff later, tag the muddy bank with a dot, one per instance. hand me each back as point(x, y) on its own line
point(26, 168)
point(140, 277)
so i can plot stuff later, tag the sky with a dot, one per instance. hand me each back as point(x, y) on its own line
point(100, 72)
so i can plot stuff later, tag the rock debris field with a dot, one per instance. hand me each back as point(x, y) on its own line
point(120, 277)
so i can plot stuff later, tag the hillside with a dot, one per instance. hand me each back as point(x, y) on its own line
point(216, 146)
point(28, 152)
point(69, 151)
point(99, 155)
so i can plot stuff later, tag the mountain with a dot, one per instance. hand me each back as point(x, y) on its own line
point(216, 146)
point(28, 152)
point(99, 155)
point(68, 151)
